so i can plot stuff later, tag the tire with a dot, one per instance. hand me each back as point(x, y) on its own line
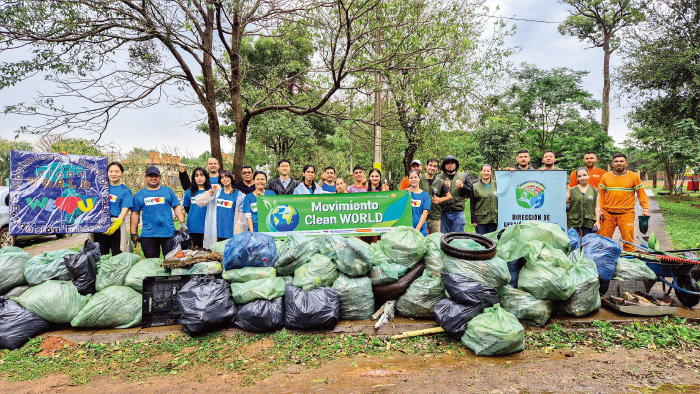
point(5, 238)
point(61, 236)
point(394, 290)
point(486, 254)
point(685, 280)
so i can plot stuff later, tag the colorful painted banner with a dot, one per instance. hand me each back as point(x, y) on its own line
point(342, 214)
point(531, 195)
point(52, 193)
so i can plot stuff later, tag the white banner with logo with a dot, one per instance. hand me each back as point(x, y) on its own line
point(531, 195)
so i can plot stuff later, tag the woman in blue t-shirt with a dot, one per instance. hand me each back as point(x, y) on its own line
point(250, 203)
point(195, 213)
point(120, 202)
point(225, 206)
point(420, 203)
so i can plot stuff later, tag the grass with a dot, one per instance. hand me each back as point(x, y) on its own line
point(254, 357)
point(682, 215)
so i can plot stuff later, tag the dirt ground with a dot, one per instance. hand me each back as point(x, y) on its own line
point(584, 370)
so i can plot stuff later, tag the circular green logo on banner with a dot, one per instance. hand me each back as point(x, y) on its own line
point(283, 218)
point(530, 194)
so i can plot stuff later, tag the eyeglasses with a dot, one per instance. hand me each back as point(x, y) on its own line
point(246, 172)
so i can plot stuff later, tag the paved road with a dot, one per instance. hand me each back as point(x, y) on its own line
point(73, 241)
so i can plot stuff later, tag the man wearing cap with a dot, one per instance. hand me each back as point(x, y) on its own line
point(452, 216)
point(415, 165)
point(154, 205)
point(438, 192)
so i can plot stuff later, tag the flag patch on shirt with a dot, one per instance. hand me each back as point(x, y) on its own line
point(193, 200)
point(153, 201)
point(224, 203)
point(254, 207)
point(112, 198)
point(416, 203)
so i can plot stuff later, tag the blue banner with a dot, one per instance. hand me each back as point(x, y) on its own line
point(52, 193)
point(531, 195)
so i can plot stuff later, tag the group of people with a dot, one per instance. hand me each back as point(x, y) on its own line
point(216, 205)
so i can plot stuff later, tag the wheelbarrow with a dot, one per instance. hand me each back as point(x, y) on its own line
point(683, 271)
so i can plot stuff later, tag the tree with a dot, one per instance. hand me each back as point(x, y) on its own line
point(546, 100)
point(599, 22)
point(82, 45)
point(435, 90)
point(5, 147)
point(76, 146)
point(662, 71)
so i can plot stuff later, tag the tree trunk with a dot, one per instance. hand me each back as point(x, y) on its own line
point(653, 180)
point(240, 117)
point(605, 113)
point(239, 146)
point(210, 89)
point(408, 155)
point(670, 177)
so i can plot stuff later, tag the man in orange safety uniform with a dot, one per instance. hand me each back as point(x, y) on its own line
point(594, 173)
point(616, 196)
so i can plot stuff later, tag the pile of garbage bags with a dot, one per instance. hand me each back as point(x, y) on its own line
point(310, 283)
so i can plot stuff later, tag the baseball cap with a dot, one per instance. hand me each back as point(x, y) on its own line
point(152, 170)
point(416, 162)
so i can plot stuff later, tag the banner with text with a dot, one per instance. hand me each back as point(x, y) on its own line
point(342, 214)
point(531, 195)
point(52, 193)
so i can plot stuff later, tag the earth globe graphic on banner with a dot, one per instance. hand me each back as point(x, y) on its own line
point(283, 218)
point(530, 194)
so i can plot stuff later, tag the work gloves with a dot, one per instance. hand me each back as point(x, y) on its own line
point(115, 226)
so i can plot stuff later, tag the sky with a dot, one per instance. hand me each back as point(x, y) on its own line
point(167, 126)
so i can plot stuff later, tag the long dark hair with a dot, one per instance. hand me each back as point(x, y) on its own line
point(369, 182)
point(228, 174)
point(194, 188)
point(303, 179)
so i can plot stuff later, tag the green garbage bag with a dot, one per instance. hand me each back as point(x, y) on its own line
point(356, 297)
point(469, 244)
point(635, 269)
point(351, 255)
point(207, 267)
point(493, 272)
point(56, 301)
point(219, 246)
point(142, 269)
point(249, 273)
point(115, 306)
point(386, 272)
point(524, 305)
point(268, 288)
point(584, 276)
point(516, 240)
point(113, 270)
point(421, 296)
point(319, 272)
point(12, 261)
point(180, 271)
point(404, 245)
point(546, 273)
point(296, 251)
point(494, 332)
point(48, 265)
point(377, 254)
point(434, 255)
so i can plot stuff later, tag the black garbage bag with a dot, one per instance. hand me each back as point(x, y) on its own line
point(313, 309)
point(206, 304)
point(261, 315)
point(181, 238)
point(469, 292)
point(18, 325)
point(453, 317)
point(82, 267)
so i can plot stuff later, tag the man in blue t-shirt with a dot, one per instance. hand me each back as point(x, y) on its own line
point(328, 180)
point(154, 204)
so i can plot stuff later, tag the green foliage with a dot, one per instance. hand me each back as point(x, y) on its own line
point(5, 147)
point(76, 146)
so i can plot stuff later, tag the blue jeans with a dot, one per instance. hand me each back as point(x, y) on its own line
point(486, 228)
point(452, 221)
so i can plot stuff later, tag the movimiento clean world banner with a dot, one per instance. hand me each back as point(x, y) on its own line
point(342, 214)
point(52, 193)
point(531, 195)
